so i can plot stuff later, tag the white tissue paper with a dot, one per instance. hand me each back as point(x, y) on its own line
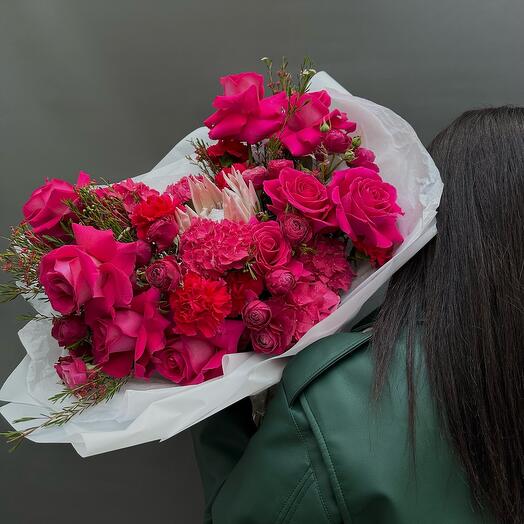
point(144, 411)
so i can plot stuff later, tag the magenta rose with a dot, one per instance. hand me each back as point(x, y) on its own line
point(68, 330)
point(256, 314)
point(364, 158)
point(296, 228)
point(275, 166)
point(46, 208)
point(163, 232)
point(336, 141)
point(280, 281)
point(164, 274)
point(127, 337)
point(72, 371)
point(243, 113)
point(276, 337)
point(306, 194)
point(301, 134)
point(192, 360)
point(339, 120)
point(256, 175)
point(367, 208)
point(97, 266)
point(272, 250)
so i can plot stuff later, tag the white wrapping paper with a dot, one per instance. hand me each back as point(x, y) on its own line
point(157, 410)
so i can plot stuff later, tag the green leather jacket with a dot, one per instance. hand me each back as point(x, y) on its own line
point(326, 454)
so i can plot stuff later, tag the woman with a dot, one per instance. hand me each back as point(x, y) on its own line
point(425, 423)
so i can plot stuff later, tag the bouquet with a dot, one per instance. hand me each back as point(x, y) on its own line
point(150, 286)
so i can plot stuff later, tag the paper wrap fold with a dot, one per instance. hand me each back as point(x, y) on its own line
point(157, 410)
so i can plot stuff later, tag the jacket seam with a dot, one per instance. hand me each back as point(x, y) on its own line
point(295, 501)
point(304, 443)
point(333, 360)
point(324, 450)
point(293, 495)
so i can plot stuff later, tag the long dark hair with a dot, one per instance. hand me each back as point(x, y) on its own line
point(462, 298)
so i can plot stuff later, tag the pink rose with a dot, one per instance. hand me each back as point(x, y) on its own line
point(256, 175)
point(72, 371)
point(68, 330)
point(124, 337)
point(306, 194)
point(336, 141)
point(276, 337)
point(280, 281)
point(272, 250)
point(364, 158)
point(192, 360)
point(97, 266)
point(243, 113)
point(296, 228)
point(301, 133)
point(339, 120)
point(164, 274)
point(367, 208)
point(163, 232)
point(46, 208)
point(256, 314)
point(275, 166)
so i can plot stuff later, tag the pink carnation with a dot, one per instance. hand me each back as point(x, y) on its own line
point(211, 248)
point(129, 192)
point(180, 191)
point(328, 262)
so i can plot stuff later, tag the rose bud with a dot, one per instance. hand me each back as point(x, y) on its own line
point(143, 252)
point(257, 175)
point(256, 314)
point(280, 281)
point(296, 228)
point(336, 141)
point(163, 232)
point(72, 371)
point(275, 166)
point(164, 274)
point(68, 330)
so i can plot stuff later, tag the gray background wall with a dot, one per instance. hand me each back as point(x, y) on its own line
point(110, 86)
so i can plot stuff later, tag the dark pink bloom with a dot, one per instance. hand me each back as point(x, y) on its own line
point(123, 338)
point(272, 250)
point(339, 120)
point(211, 248)
point(312, 302)
point(72, 371)
point(180, 191)
point(97, 266)
point(336, 141)
point(192, 360)
point(296, 228)
point(306, 113)
point(200, 306)
point(364, 158)
point(227, 151)
point(243, 113)
point(46, 208)
point(328, 263)
point(276, 337)
point(68, 330)
point(162, 233)
point(164, 274)
point(280, 281)
point(256, 175)
point(367, 208)
point(146, 213)
point(143, 252)
point(275, 166)
point(304, 193)
point(129, 192)
point(256, 314)
point(242, 288)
